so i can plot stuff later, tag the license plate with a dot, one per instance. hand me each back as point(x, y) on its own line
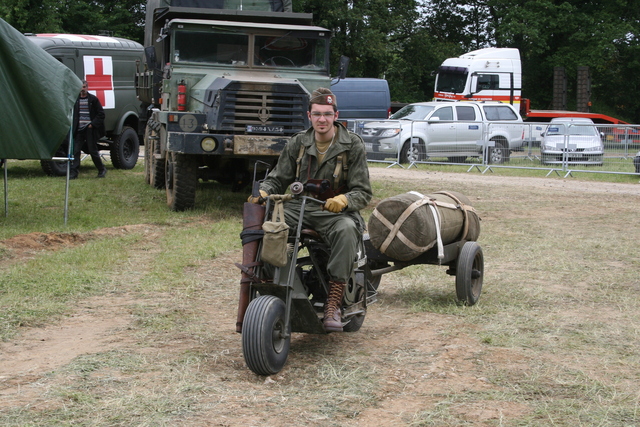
point(265, 129)
point(368, 146)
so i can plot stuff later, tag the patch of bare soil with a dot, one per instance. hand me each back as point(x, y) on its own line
point(389, 339)
point(97, 325)
point(25, 246)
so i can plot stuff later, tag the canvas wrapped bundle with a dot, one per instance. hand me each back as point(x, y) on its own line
point(407, 225)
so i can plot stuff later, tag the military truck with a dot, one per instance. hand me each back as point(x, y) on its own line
point(229, 85)
point(108, 64)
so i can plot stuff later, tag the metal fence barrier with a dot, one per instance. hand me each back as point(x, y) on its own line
point(566, 149)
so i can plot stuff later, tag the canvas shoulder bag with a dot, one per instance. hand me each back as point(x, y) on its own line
point(276, 234)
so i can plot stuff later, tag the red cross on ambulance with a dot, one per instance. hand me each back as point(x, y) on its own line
point(98, 72)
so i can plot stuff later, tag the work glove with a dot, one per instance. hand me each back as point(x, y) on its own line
point(336, 204)
point(256, 200)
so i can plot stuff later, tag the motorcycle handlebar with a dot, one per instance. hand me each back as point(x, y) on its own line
point(287, 197)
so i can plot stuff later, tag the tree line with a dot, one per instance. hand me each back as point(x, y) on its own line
point(405, 41)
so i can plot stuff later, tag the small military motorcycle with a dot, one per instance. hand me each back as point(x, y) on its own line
point(274, 302)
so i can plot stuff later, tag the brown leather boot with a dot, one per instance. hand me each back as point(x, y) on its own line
point(332, 314)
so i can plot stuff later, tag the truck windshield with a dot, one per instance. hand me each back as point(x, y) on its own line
point(290, 51)
point(232, 48)
point(412, 112)
point(210, 47)
point(451, 82)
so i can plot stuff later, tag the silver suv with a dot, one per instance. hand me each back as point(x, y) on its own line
point(454, 130)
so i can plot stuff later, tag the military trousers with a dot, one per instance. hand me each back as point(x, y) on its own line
point(341, 231)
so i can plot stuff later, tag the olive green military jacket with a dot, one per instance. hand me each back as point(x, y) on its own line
point(358, 188)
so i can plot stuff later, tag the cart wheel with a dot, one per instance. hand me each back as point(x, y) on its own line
point(469, 272)
point(264, 348)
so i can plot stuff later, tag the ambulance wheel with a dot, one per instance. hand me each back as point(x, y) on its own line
point(54, 167)
point(181, 177)
point(265, 337)
point(125, 149)
point(469, 273)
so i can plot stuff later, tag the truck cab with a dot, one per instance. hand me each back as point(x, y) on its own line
point(228, 88)
point(490, 74)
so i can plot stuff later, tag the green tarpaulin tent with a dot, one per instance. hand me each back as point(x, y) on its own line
point(37, 94)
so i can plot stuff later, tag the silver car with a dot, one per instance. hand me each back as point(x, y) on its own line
point(455, 130)
point(573, 140)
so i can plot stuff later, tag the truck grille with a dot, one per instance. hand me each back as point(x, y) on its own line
point(276, 106)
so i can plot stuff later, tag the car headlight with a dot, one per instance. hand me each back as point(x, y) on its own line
point(388, 133)
point(594, 148)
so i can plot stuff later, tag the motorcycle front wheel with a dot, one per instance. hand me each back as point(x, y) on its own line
point(265, 337)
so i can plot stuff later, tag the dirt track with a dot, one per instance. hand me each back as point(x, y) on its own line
point(406, 362)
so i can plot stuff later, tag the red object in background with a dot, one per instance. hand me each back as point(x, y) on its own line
point(182, 96)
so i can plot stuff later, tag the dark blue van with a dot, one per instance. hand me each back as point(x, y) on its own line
point(362, 98)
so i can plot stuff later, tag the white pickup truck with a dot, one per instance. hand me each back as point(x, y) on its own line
point(454, 130)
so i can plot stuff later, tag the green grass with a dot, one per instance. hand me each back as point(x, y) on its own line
point(44, 286)
point(552, 341)
point(32, 292)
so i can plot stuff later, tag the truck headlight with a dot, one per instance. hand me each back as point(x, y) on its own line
point(388, 133)
point(208, 144)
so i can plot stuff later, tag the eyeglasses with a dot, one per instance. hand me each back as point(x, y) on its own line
point(317, 115)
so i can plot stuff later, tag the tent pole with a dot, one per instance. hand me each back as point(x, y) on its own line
point(69, 160)
point(6, 198)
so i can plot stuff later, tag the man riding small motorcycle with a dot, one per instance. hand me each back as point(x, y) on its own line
point(331, 163)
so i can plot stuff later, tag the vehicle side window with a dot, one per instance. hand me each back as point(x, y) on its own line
point(498, 112)
point(488, 82)
point(445, 113)
point(466, 113)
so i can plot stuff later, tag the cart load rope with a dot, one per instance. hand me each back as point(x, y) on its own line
point(407, 225)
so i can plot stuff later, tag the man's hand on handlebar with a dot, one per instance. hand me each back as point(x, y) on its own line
point(336, 204)
point(258, 199)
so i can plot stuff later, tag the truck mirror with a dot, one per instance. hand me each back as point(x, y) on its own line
point(150, 56)
point(344, 65)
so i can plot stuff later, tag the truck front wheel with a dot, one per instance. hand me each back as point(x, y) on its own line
point(125, 149)
point(498, 154)
point(156, 164)
point(181, 177)
point(412, 152)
